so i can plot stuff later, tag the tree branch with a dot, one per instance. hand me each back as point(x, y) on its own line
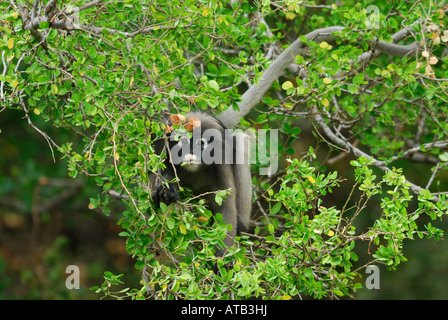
point(356, 151)
point(90, 5)
point(50, 142)
point(34, 11)
point(5, 68)
point(255, 93)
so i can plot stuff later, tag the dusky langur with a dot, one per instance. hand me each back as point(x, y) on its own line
point(206, 160)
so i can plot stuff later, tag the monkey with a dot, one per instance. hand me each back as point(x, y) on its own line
point(208, 160)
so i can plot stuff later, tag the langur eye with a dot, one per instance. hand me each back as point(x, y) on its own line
point(202, 143)
point(184, 141)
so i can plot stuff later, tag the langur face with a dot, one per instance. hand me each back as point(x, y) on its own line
point(193, 150)
point(190, 156)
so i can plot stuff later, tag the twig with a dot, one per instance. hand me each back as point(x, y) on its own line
point(115, 130)
point(407, 153)
point(118, 195)
point(50, 142)
point(5, 68)
point(90, 4)
point(436, 169)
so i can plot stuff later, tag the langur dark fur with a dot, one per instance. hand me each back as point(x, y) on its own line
point(203, 177)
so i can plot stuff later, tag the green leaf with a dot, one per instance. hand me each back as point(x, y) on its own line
point(276, 208)
point(213, 69)
point(182, 229)
point(218, 199)
point(287, 85)
point(163, 207)
point(92, 52)
point(214, 85)
point(443, 157)
point(170, 223)
point(359, 79)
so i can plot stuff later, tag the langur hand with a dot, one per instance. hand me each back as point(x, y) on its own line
point(165, 195)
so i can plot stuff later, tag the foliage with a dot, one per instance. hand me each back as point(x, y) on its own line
point(108, 70)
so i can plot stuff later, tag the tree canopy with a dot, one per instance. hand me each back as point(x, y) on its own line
point(357, 92)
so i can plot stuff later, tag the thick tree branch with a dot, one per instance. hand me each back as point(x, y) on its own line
point(34, 11)
point(5, 69)
point(356, 151)
point(255, 93)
